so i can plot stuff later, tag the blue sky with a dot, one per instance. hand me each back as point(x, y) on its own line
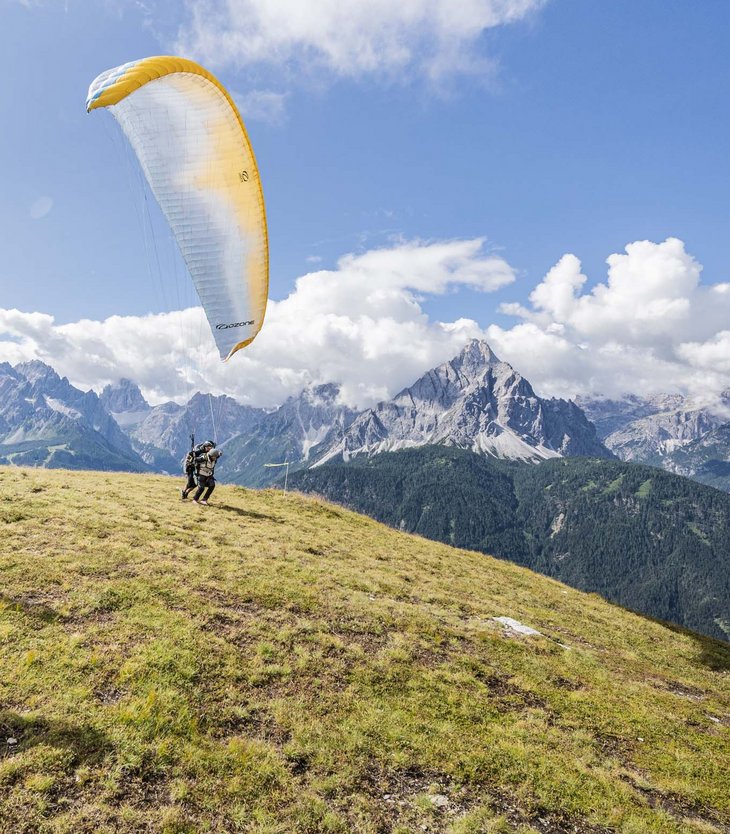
point(576, 127)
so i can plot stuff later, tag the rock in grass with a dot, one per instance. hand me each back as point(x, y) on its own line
point(438, 800)
point(516, 626)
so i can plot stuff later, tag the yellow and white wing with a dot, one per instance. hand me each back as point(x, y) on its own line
point(196, 155)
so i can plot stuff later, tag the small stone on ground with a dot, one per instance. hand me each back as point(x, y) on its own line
point(516, 626)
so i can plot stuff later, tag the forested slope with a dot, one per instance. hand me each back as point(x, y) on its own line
point(649, 540)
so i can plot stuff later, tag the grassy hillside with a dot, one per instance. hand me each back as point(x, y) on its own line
point(274, 664)
point(646, 539)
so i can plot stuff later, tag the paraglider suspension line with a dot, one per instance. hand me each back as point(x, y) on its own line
point(212, 418)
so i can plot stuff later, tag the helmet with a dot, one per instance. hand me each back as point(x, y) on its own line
point(215, 454)
point(210, 443)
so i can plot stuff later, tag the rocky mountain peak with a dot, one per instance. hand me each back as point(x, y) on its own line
point(123, 396)
point(325, 394)
point(476, 367)
point(474, 401)
point(9, 374)
point(476, 357)
point(37, 372)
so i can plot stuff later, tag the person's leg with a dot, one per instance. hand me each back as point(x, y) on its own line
point(209, 491)
point(199, 491)
point(190, 485)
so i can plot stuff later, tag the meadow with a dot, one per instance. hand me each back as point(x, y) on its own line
point(275, 663)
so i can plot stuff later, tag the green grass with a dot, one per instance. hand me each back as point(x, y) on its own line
point(277, 664)
point(645, 489)
point(614, 486)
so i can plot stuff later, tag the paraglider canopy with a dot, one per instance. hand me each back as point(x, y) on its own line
point(195, 153)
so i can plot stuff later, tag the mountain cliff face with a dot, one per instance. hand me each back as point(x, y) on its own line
point(610, 415)
point(476, 402)
point(124, 401)
point(295, 432)
point(46, 421)
point(705, 459)
point(169, 426)
point(668, 431)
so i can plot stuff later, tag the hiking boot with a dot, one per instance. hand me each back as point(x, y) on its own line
point(205, 503)
point(183, 494)
point(196, 502)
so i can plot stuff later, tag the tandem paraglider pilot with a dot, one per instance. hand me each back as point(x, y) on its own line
point(190, 465)
point(196, 458)
point(206, 480)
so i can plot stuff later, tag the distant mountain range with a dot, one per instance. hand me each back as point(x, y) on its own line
point(298, 431)
point(45, 421)
point(474, 402)
point(477, 402)
point(646, 539)
point(668, 431)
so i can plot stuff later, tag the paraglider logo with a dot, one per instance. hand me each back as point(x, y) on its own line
point(237, 324)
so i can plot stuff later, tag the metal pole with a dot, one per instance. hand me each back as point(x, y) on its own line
point(286, 476)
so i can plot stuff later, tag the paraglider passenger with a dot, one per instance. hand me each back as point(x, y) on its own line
point(206, 481)
point(191, 463)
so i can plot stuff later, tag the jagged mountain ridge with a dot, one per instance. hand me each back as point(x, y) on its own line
point(474, 402)
point(46, 421)
point(61, 396)
point(477, 402)
point(668, 431)
point(249, 437)
point(294, 432)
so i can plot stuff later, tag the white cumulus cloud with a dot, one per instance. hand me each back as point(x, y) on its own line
point(712, 355)
point(360, 324)
point(348, 38)
point(652, 326)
